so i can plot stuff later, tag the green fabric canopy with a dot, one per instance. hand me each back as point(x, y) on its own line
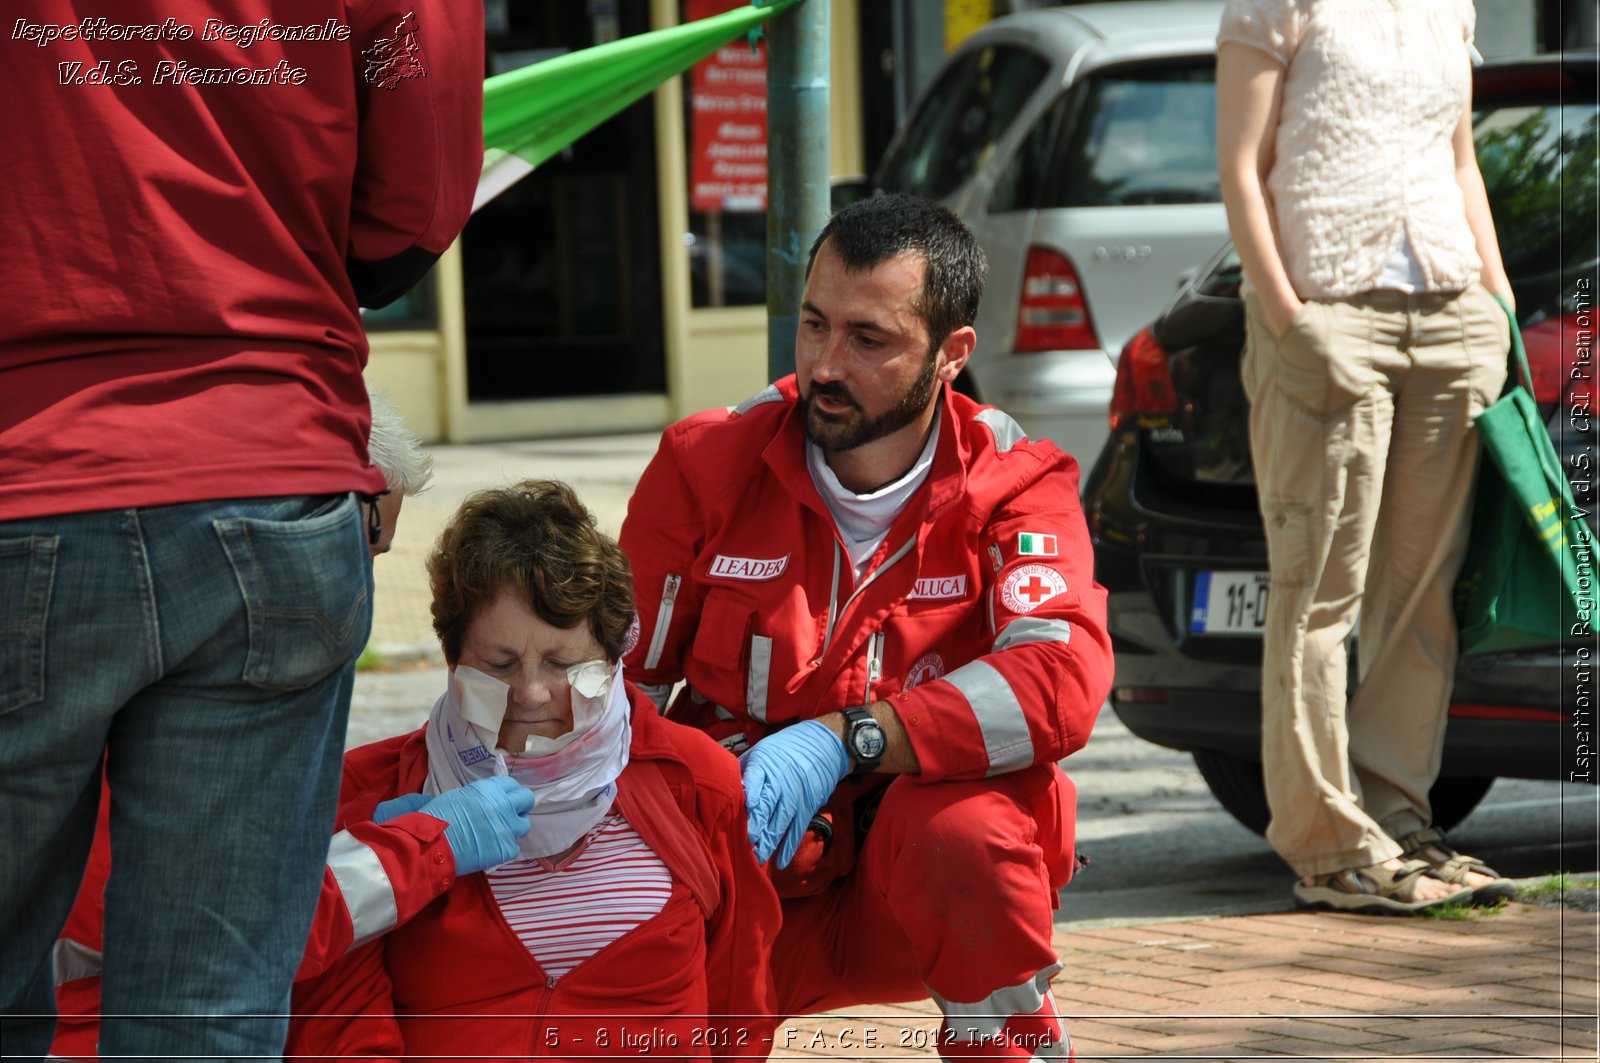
point(532, 113)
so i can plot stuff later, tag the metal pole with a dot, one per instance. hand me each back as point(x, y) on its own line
point(797, 166)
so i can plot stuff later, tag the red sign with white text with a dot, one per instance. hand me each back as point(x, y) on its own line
point(728, 105)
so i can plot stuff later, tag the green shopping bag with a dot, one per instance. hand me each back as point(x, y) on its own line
point(1529, 576)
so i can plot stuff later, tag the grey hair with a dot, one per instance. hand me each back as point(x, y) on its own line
point(395, 448)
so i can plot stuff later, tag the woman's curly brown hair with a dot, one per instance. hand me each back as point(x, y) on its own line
point(538, 538)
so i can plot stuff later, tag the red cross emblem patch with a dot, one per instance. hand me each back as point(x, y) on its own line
point(1030, 586)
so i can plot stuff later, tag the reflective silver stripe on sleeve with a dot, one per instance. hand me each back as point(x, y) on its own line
point(74, 960)
point(657, 693)
point(1007, 432)
point(999, 715)
point(1033, 629)
point(368, 894)
point(755, 693)
point(988, 1016)
point(770, 393)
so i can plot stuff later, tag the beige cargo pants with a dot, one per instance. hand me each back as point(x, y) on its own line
point(1361, 433)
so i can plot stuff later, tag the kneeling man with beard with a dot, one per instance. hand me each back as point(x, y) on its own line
point(880, 594)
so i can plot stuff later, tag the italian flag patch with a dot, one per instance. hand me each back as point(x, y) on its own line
point(1033, 544)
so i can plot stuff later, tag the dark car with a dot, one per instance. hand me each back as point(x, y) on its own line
point(1171, 501)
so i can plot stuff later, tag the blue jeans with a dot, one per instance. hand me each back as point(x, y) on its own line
point(208, 651)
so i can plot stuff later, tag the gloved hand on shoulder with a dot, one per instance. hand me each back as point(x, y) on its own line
point(396, 807)
point(485, 820)
point(788, 776)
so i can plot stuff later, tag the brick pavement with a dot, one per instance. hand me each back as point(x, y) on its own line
point(1519, 983)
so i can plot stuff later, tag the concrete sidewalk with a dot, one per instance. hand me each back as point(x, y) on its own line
point(602, 469)
point(1521, 982)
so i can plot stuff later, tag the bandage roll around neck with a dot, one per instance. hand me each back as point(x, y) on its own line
point(573, 783)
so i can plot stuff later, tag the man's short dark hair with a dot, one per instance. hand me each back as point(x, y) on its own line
point(872, 231)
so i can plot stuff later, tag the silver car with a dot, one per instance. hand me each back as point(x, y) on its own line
point(1079, 143)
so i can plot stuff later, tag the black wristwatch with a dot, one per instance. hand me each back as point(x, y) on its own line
point(863, 740)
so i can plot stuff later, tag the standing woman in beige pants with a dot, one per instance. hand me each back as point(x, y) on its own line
point(1354, 199)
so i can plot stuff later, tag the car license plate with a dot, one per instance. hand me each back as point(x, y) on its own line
point(1229, 603)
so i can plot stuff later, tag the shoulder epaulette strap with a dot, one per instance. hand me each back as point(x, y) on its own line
point(770, 393)
point(1006, 431)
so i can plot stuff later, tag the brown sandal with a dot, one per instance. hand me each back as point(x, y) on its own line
point(1374, 890)
point(1430, 847)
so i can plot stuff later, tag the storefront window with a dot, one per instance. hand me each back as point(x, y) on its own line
point(726, 98)
point(560, 273)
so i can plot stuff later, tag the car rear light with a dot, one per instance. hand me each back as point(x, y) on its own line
point(1052, 315)
point(1561, 359)
point(1144, 384)
point(1546, 342)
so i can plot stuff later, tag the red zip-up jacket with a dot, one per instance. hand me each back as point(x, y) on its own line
point(378, 876)
point(979, 618)
point(692, 982)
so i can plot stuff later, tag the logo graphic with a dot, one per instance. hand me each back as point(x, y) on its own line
point(752, 568)
point(940, 587)
point(631, 640)
point(929, 666)
point(1035, 544)
point(392, 60)
point(1030, 586)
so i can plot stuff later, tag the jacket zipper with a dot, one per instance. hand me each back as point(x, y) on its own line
point(658, 638)
point(874, 663)
point(833, 605)
point(834, 616)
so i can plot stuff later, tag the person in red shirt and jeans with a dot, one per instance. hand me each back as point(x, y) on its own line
point(196, 203)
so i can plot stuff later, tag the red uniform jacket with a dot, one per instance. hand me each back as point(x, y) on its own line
point(979, 618)
point(455, 981)
point(378, 876)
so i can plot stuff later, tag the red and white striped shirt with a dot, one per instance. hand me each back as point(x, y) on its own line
point(564, 916)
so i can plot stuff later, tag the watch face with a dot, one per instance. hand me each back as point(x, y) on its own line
point(868, 741)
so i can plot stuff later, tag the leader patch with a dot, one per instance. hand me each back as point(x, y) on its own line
point(751, 568)
point(1030, 586)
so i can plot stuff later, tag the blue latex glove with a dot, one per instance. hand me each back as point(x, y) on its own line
point(485, 820)
point(787, 778)
point(398, 806)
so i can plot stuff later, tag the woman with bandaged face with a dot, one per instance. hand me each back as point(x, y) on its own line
point(596, 891)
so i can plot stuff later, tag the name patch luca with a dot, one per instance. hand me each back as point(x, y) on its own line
point(940, 587)
point(751, 568)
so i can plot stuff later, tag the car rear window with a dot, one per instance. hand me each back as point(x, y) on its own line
point(960, 119)
point(1539, 163)
point(1140, 135)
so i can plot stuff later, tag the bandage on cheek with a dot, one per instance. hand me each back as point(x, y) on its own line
point(483, 698)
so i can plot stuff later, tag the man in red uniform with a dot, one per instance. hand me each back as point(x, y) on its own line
point(882, 595)
point(196, 199)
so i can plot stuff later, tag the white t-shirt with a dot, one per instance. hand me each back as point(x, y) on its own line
point(864, 520)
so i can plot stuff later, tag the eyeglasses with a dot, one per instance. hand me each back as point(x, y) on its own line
point(374, 518)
